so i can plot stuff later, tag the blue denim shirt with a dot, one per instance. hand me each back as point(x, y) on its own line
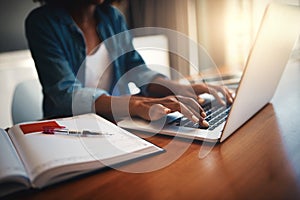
point(58, 48)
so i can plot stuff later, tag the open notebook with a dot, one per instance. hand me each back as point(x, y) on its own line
point(270, 53)
point(30, 158)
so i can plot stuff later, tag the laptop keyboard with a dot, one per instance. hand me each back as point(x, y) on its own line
point(216, 115)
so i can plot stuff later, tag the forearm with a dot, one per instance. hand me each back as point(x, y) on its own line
point(114, 108)
point(161, 87)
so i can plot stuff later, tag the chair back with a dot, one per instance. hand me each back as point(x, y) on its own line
point(27, 101)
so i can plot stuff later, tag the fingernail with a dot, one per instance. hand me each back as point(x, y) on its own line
point(167, 111)
point(201, 101)
point(205, 123)
point(231, 100)
point(195, 119)
point(203, 114)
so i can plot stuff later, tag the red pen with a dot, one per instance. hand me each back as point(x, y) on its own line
point(64, 131)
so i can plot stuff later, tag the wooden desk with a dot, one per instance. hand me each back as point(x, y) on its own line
point(260, 161)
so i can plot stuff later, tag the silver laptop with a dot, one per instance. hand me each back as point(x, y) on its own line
point(268, 57)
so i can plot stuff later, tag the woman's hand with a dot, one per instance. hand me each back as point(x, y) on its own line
point(156, 108)
point(213, 90)
point(150, 109)
point(176, 97)
point(164, 87)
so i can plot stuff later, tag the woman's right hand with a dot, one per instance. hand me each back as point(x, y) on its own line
point(156, 108)
point(150, 108)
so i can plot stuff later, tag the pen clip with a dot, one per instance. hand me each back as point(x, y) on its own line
point(52, 129)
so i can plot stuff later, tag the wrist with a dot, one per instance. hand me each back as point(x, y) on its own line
point(118, 107)
point(103, 106)
point(134, 104)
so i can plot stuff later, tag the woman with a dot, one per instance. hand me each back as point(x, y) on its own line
point(63, 33)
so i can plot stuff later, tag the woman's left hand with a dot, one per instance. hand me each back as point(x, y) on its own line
point(164, 87)
point(214, 90)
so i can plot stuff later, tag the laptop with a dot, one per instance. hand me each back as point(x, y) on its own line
point(268, 57)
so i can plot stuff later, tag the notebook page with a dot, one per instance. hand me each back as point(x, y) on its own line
point(41, 152)
point(13, 176)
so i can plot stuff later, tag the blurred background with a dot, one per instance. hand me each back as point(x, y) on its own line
point(226, 28)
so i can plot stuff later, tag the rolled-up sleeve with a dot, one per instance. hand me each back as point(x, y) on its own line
point(83, 100)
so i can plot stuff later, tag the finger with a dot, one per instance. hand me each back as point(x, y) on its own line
point(152, 111)
point(225, 93)
point(192, 116)
point(173, 104)
point(214, 92)
point(201, 100)
point(188, 113)
point(229, 95)
point(157, 111)
point(193, 105)
point(201, 118)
